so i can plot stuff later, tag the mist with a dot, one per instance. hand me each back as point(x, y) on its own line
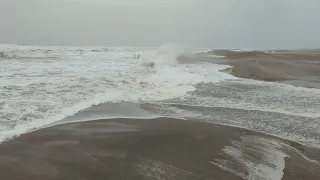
point(194, 23)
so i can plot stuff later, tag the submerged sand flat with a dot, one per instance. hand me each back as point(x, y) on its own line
point(152, 149)
point(296, 67)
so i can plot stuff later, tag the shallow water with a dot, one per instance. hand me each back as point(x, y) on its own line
point(44, 85)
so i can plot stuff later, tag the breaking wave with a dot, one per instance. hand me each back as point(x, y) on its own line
point(35, 93)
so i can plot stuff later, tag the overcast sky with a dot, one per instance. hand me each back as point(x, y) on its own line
point(196, 23)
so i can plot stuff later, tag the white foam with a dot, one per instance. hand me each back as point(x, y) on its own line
point(152, 169)
point(262, 158)
point(212, 56)
point(41, 85)
point(263, 96)
point(37, 89)
point(163, 56)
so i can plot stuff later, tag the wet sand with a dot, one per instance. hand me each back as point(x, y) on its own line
point(170, 149)
point(299, 67)
point(152, 149)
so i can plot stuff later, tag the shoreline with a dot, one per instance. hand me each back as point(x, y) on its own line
point(151, 149)
point(297, 68)
point(93, 145)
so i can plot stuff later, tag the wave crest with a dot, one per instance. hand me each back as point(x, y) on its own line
point(164, 55)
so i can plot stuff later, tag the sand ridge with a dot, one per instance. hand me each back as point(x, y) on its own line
point(296, 67)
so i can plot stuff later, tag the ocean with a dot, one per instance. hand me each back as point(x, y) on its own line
point(45, 85)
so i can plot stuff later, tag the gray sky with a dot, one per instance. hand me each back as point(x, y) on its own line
point(196, 23)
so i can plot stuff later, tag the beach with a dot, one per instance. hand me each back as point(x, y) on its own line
point(102, 113)
point(159, 90)
point(295, 67)
point(152, 149)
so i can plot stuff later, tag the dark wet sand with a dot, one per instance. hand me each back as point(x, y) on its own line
point(299, 68)
point(132, 149)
